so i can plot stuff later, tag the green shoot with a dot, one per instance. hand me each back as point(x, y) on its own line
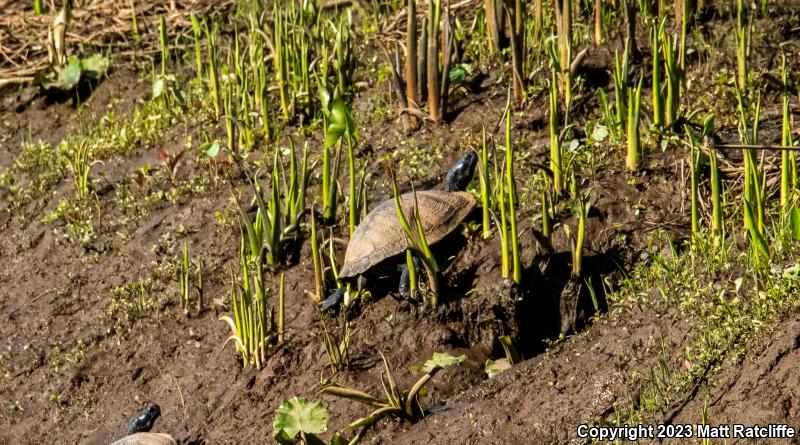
point(213, 66)
point(280, 56)
point(511, 189)
point(402, 404)
point(316, 257)
point(198, 55)
point(517, 38)
point(564, 29)
point(339, 126)
point(742, 45)
point(336, 348)
point(716, 183)
point(199, 285)
point(547, 219)
point(577, 248)
point(634, 145)
point(620, 76)
point(266, 231)
point(329, 187)
point(685, 16)
point(483, 174)
point(413, 280)
point(694, 162)
point(80, 164)
point(673, 77)
point(134, 21)
point(252, 329)
point(295, 190)
point(163, 40)
point(416, 239)
point(505, 268)
point(658, 101)
point(281, 313)
point(555, 143)
point(185, 287)
point(353, 196)
point(788, 161)
point(754, 195)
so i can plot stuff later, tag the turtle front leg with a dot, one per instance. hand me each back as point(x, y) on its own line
point(405, 276)
point(337, 295)
point(333, 299)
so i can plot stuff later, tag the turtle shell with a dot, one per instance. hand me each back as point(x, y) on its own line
point(380, 235)
point(146, 439)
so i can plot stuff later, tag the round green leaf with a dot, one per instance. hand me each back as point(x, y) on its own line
point(600, 133)
point(442, 360)
point(158, 87)
point(69, 75)
point(299, 414)
point(95, 66)
point(212, 150)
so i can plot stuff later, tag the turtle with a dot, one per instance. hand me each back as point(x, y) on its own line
point(139, 427)
point(380, 235)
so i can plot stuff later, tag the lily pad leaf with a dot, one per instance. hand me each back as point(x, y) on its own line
point(442, 360)
point(299, 415)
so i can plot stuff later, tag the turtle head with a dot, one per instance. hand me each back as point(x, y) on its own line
point(144, 421)
point(461, 174)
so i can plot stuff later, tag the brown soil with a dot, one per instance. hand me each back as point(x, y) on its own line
point(79, 375)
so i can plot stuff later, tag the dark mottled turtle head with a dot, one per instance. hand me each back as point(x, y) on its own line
point(460, 175)
point(144, 421)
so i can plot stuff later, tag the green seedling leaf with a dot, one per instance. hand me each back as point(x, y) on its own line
point(460, 72)
point(325, 99)
point(299, 415)
point(794, 219)
point(212, 149)
point(68, 75)
point(95, 66)
point(442, 360)
point(340, 123)
point(337, 439)
point(494, 367)
point(708, 125)
point(572, 145)
point(158, 87)
point(755, 235)
point(600, 133)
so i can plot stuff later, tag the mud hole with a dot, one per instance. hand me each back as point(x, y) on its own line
point(79, 356)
